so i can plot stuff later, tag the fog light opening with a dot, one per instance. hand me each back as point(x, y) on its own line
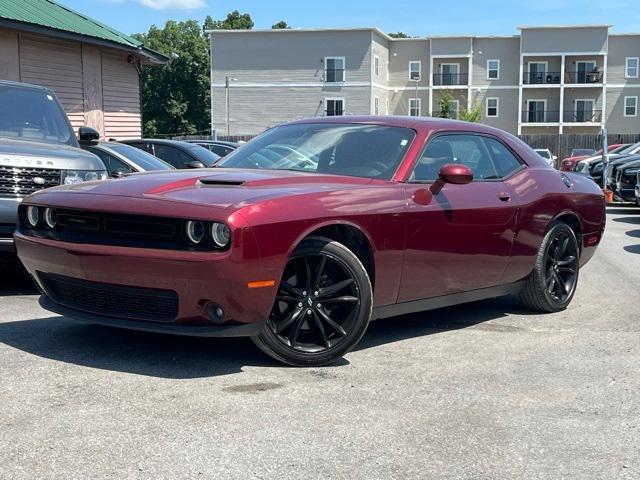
point(215, 312)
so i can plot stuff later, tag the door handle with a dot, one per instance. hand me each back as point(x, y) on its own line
point(504, 196)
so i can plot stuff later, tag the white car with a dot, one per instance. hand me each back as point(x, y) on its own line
point(547, 155)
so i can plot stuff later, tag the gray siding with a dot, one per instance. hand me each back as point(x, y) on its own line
point(616, 121)
point(451, 46)
point(507, 50)
point(291, 56)
point(253, 109)
point(401, 52)
point(399, 102)
point(621, 47)
point(507, 108)
point(570, 40)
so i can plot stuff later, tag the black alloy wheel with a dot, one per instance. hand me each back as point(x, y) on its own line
point(561, 266)
point(553, 281)
point(322, 306)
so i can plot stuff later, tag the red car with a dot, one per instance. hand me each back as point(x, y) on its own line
point(313, 229)
point(566, 165)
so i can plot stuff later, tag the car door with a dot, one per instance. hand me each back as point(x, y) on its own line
point(459, 239)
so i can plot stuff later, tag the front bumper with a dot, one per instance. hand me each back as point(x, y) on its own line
point(198, 279)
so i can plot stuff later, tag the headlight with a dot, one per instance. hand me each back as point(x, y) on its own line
point(69, 177)
point(195, 231)
point(220, 234)
point(50, 217)
point(33, 216)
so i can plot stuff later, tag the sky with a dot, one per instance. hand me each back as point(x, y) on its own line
point(414, 17)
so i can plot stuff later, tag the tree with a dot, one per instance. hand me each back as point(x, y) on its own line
point(398, 35)
point(472, 115)
point(281, 25)
point(234, 21)
point(444, 104)
point(176, 96)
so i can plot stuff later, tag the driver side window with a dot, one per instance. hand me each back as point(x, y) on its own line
point(469, 150)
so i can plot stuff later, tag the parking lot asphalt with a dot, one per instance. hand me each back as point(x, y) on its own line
point(482, 391)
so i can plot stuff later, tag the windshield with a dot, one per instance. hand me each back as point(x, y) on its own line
point(369, 151)
point(576, 152)
point(144, 160)
point(203, 154)
point(33, 115)
point(544, 153)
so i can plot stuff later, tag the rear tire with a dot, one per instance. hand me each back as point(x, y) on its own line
point(322, 307)
point(552, 283)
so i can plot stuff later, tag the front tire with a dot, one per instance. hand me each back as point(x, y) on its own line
point(552, 284)
point(322, 307)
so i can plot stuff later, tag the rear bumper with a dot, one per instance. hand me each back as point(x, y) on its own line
point(245, 330)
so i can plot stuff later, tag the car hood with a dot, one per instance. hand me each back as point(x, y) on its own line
point(21, 153)
point(216, 187)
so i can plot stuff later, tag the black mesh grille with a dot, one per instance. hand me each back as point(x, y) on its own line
point(22, 181)
point(134, 303)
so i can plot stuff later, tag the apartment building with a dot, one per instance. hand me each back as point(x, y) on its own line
point(549, 79)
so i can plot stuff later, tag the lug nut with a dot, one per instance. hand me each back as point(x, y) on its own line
point(304, 293)
point(315, 294)
point(319, 305)
point(299, 304)
point(309, 312)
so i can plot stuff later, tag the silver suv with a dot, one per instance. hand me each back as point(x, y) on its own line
point(38, 149)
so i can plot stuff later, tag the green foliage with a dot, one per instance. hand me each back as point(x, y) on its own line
point(234, 21)
point(176, 97)
point(473, 115)
point(444, 104)
point(398, 35)
point(281, 25)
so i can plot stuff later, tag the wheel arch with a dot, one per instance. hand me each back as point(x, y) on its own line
point(349, 234)
point(572, 219)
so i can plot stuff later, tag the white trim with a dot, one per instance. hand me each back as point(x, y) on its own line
point(544, 111)
point(495, 87)
point(497, 99)
point(559, 54)
point(452, 55)
point(419, 62)
point(488, 69)
point(623, 85)
point(376, 66)
point(419, 107)
point(344, 69)
point(344, 105)
point(635, 106)
point(626, 67)
point(292, 84)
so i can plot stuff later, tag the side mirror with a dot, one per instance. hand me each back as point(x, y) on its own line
point(455, 174)
point(88, 134)
point(195, 164)
point(119, 173)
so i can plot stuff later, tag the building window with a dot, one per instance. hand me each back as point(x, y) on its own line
point(492, 106)
point(415, 70)
point(630, 106)
point(376, 66)
point(376, 106)
point(493, 69)
point(454, 108)
point(335, 107)
point(631, 67)
point(414, 107)
point(334, 69)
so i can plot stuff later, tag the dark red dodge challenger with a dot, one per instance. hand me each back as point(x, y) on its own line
point(313, 229)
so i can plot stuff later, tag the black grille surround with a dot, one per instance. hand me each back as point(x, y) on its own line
point(17, 182)
point(116, 229)
point(109, 300)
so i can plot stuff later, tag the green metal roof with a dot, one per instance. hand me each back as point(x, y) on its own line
point(52, 15)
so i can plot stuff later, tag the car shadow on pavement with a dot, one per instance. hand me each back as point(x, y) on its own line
point(632, 220)
point(178, 357)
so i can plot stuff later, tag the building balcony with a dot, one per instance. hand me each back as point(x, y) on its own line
point(541, 78)
point(582, 116)
point(540, 116)
point(450, 79)
point(582, 78)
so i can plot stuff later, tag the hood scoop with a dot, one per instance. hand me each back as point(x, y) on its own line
point(227, 182)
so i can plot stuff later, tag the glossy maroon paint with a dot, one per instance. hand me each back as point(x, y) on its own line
point(465, 237)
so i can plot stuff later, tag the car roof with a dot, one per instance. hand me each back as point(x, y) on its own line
point(159, 141)
point(417, 123)
point(215, 142)
point(24, 85)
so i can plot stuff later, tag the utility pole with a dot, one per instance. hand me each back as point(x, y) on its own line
point(226, 100)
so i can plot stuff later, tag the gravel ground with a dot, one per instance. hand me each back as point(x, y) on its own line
point(481, 391)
